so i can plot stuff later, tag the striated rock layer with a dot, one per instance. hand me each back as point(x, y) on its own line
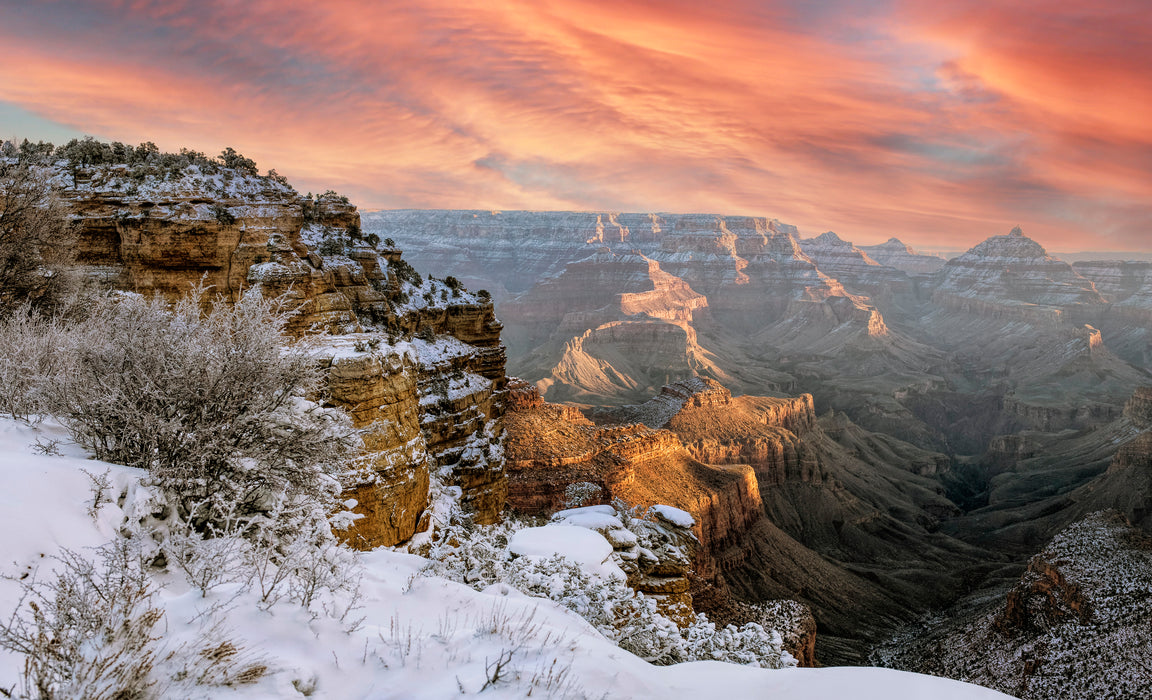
point(1013, 276)
point(767, 490)
point(1077, 624)
point(425, 406)
point(895, 253)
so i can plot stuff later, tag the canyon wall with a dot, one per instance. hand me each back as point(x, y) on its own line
point(417, 363)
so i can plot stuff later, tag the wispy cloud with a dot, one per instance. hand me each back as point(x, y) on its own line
point(939, 122)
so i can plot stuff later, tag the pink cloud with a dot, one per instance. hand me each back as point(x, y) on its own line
point(941, 124)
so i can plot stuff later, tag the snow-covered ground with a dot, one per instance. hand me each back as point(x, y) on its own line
point(420, 636)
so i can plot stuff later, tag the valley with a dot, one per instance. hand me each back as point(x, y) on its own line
point(857, 456)
point(881, 432)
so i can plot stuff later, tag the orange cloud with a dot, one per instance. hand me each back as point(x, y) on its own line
point(940, 124)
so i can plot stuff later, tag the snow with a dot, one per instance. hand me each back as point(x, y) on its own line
point(677, 517)
point(443, 350)
point(46, 509)
point(599, 518)
point(587, 548)
point(422, 637)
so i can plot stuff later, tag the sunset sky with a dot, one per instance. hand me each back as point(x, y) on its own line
point(940, 122)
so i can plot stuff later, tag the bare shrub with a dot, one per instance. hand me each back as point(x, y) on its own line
point(37, 241)
point(212, 659)
point(210, 404)
point(90, 631)
point(210, 559)
point(30, 353)
point(304, 563)
point(101, 486)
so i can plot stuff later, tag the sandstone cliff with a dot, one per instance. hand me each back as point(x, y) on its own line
point(425, 405)
point(549, 447)
point(780, 514)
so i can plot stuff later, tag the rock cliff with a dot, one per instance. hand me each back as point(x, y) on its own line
point(1076, 625)
point(426, 405)
point(895, 253)
point(1014, 277)
point(854, 267)
point(781, 514)
point(549, 447)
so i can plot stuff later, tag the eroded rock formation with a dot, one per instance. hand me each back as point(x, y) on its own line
point(1077, 624)
point(429, 405)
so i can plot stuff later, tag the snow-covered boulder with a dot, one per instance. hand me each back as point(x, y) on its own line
point(587, 548)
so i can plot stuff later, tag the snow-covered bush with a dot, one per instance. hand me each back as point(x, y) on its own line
point(212, 404)
point(286, 554)
point(29, 354)
point(479, 557)
point(472, 554)
point(581, 493)
point(93, 631)
point(89, 631)
point(615, 610)
point(37, 241)
point(749, 644)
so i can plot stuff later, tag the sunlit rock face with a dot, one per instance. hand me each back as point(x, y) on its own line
point(418, 365)
point(611, 325)
point(748, 267)
point(550, 447)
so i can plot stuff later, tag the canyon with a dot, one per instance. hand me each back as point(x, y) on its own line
point(863, 435)
point(872, 431)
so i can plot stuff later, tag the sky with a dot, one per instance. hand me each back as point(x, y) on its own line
point(939, 122)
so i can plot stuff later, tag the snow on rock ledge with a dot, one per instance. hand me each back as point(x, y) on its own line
point(587, 548)
point(674, 516)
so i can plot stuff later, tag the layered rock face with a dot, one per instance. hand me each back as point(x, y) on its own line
point(377, 387)
point(1077, 624)
point(173, 235)
point(854, 267)
point(424, 406)
point(547, 449)
point(613, 325)
point(473, 244)
point(897, 254)
point(764, 492)
point(716, 428)
point(600, 289)
point(749, 268)
point(1013, 276)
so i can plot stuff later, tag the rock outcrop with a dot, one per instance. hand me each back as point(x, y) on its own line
point(547, 450)
point(854, 267)
point(1077, 624)
point(377, 387)
point(1012, 276)
point(775, 509)
point(895, 253)
point(610, 327)
point(426, 406)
